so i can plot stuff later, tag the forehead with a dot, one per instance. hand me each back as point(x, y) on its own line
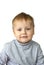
point(23, 22)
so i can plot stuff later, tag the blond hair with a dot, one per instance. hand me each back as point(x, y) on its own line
point(22, 16)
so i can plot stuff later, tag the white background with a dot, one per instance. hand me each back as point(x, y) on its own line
point(10, 8)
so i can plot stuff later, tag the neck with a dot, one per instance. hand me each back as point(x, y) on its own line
point(23, 43)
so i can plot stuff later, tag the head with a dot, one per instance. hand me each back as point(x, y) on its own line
point(23, 27)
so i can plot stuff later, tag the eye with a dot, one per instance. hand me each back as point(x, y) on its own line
point(19, 29)
point(28, 28)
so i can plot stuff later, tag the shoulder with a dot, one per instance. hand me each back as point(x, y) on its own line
point(8, 45)
point(35, 45)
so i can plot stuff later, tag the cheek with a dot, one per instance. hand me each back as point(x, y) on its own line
point(17, 35)
point(14, 31)
point(30, 33)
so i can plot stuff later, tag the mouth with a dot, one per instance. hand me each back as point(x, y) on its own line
point(23, 37)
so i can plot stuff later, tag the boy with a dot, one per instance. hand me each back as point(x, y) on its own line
point(23, 50)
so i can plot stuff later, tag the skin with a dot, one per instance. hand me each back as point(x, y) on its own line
point(23, 30)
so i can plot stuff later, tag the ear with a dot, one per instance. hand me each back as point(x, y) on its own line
point(13, 29)
point(33, 32)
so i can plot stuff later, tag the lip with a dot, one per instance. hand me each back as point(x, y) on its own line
point(23, 37)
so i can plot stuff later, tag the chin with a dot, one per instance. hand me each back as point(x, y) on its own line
point(24, 42)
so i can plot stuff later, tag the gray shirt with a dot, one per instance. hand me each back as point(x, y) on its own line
point(15, 53)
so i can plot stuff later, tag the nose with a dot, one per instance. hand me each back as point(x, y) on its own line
point(24, 31)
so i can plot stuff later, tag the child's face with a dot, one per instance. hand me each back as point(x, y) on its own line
point(23, 30)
